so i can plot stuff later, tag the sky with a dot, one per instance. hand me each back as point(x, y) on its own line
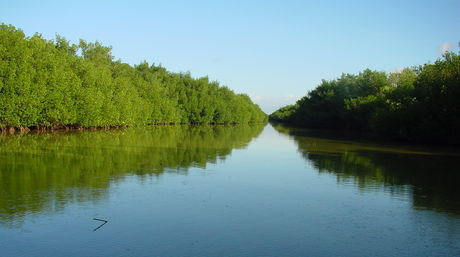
point(274, 51)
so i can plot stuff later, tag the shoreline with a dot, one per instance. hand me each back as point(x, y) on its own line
point(44, 129)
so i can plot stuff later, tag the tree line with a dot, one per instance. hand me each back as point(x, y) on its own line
point(52, 83)
point(419, 104)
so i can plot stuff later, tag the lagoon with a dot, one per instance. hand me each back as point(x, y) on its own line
point(242, 190)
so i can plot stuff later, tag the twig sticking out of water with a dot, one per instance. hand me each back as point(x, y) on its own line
point(101, 224)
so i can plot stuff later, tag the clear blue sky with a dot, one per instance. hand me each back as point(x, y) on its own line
point(275, 51)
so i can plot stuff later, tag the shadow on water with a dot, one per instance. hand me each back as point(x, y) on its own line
point(43, 173)
point(429, 177)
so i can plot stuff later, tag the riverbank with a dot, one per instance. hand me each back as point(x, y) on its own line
point(44, 129)
point(418, 104)
point(49, 84)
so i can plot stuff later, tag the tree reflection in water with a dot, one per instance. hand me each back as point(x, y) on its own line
point(430, 177)
point(41, 173)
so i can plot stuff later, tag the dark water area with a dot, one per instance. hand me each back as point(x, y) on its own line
point(246, 190)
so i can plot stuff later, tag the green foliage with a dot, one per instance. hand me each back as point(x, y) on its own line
point(419, 104)
point(56, 83)
point(284, 114)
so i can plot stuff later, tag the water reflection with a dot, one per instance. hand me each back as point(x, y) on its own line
point(43, 173)
point(430, 179)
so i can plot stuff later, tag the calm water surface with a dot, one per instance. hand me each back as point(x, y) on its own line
point(224, 191)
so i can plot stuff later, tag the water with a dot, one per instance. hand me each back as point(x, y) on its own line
point(224, 191)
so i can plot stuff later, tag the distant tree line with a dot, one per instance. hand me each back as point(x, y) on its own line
point(420, 104)
point(49, 83)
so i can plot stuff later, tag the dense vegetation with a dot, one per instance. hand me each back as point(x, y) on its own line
point(32, 177)
point(417, 104)
point(55, 83)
